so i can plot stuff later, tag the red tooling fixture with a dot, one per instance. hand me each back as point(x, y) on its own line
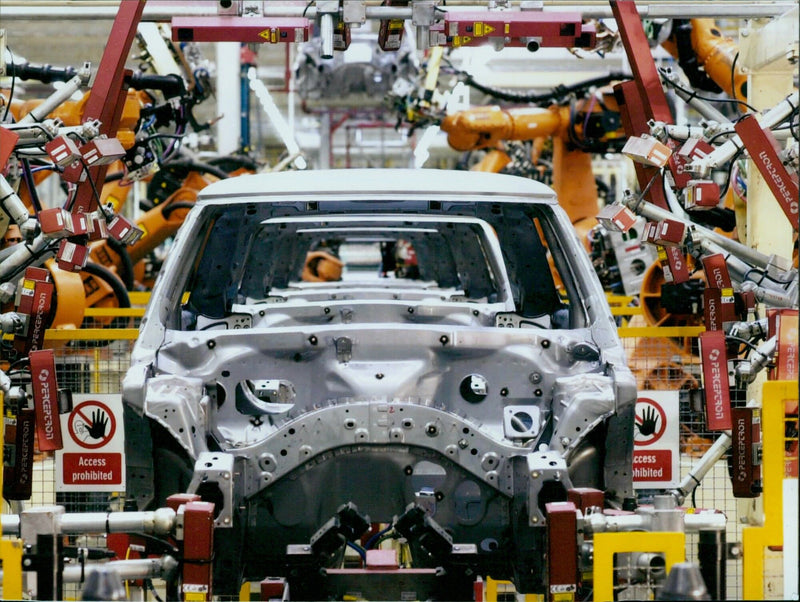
point(530, 29)
point(644, 70)
point(71, 257)
point(18, 460)
point(631, 112)
point(198, 549)
point(670, 233)
point(274, 588)
point(702, 194)
point(585, 498)
point(45, 399)
point(718, 299)
point(62, 150)
point(36, 295)
point(783, 323)
point(644, 98)
point(8, 141)
point(746, 464)
point(107, 99)
point(761, 146)
point(673, 262)
point(562, 550)
point(713, 352)
point(390, 33)
point(616, 218)
point(258, 30)
point(692, 150)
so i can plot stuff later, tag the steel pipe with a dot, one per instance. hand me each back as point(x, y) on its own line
point(55, 99)
point(160, 522)
point(10, 524)
point(699, 470)
point(138, 568)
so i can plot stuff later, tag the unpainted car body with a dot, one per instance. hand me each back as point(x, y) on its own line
point(444, 384)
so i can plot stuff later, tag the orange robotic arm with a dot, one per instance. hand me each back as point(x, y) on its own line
point(712, 51)
point(487, 127)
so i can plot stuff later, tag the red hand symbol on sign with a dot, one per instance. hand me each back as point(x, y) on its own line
point(650, 423)
point(92, 424)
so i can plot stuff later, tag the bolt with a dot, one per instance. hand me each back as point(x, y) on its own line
point(226, 520)
point(456, 548)
point(535, 378)
point(463, 443)
point(535, 474)
point(312, 339)
point(226, 475)
point(534, 519)
point(211, 344)
point(564, 441)
point(444, 340)
point(379, 375)
point(411, 310)
point(545, 343)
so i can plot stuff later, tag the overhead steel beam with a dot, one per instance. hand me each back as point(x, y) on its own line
point(590, 9)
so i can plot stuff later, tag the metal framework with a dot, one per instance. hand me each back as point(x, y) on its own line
point(594, 9)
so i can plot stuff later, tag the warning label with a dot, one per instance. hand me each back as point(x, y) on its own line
point(656, 440)
point(653, 465)
point(94, 469)
point(92, 458)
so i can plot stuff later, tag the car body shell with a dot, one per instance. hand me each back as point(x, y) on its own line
point(478, 395)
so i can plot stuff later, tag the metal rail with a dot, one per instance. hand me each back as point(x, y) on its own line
point(592, 9)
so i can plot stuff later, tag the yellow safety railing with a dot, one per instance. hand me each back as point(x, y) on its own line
point(660, 331)
point(92, 334)
point(11, 561)
point(671, 544)
point(139, 298)
point(754, 539)
point(114, 312)
point(10, 550)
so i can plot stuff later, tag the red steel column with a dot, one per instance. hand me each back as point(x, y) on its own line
point(106, 100)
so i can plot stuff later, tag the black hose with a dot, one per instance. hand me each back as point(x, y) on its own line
point(198, 166)
point(711, 551)
point(43, 73)
point(233, 162)
point(126, 268)
point(552, 96)
point(123, 300)
point(27, 174)
point(168, 209)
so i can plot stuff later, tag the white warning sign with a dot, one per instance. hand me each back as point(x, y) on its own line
point(93, 454)
point(656, 440)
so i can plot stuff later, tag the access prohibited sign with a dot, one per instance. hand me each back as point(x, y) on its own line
point(92, 424)
point(656, 440)
point(93, 455)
